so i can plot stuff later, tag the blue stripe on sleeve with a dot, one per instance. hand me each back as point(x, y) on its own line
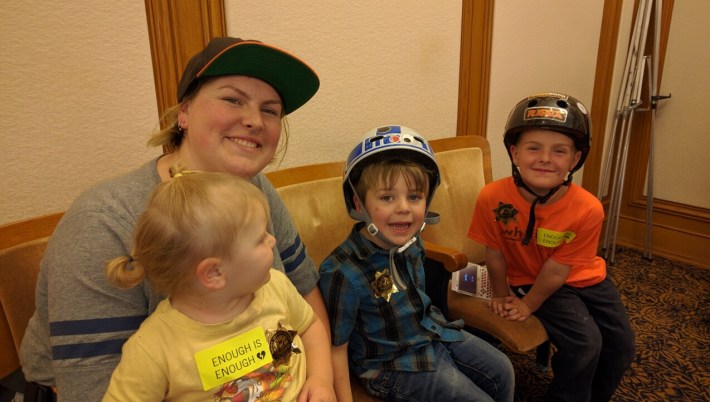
point(296, 262)
point(83, 350)
point(292, 252)
point(95, 326)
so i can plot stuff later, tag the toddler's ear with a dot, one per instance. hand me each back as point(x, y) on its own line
point(209, 273)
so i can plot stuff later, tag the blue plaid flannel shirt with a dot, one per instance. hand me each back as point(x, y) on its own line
point(395, 335)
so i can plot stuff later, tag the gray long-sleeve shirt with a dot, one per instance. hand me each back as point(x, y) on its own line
point(80, 322)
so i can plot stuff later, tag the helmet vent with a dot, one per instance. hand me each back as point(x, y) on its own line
point(562, 103)
point(375, 138)
point(532, 103)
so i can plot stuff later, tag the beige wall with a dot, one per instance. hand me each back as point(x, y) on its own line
point(78, 99)
point(681, 122)
point(84, 119)
point(682, 142)
point(380, 62)
point(539, 46)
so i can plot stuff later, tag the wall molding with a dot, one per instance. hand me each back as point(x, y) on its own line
point(602, 93)
point(177, 30)
point(474, 69)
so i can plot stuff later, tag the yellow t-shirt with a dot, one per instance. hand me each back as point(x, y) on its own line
point(158, 362)
point(567, 231)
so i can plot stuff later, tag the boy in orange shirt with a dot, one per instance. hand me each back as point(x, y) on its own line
point(541, 234)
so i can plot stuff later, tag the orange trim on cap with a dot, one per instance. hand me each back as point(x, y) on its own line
point(253, 42)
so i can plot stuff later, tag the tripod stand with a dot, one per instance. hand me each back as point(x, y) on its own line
point(628, 103)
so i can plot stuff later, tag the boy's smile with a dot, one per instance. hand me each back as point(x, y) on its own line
point(398, 212)
point(544, 158)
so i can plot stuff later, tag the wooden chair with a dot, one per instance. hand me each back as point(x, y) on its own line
point(22, 246)
point(19, 266)
point(314, 197)
point(313, 194)
point(465, 166)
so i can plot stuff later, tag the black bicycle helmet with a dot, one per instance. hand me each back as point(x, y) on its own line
point(548, 111)
point(551, 111)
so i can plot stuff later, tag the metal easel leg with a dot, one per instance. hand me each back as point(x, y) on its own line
point(655, 97)
point(629, 99)
point(648, 240)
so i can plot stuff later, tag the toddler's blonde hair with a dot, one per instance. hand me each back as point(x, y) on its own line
point(194, 216)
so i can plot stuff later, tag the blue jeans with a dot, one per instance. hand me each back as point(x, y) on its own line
point(470, 370)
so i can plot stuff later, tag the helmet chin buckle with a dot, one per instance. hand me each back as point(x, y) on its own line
point(372, 229)
point(431, 218)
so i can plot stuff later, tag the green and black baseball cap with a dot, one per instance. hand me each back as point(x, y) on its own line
point(293, 79)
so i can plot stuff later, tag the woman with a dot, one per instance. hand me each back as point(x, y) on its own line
point(232, 98)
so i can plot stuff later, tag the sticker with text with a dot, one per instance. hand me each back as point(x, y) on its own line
point(233, 358)
point(550, 238)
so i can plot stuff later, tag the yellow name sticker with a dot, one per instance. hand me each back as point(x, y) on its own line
point(550, 238)
point(233, 358)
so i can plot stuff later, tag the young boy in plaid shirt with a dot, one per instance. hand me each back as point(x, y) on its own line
point(383, 323)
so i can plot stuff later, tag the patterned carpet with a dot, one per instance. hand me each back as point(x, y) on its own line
point(669, 308)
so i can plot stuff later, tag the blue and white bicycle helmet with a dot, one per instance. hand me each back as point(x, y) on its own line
point(388, 142)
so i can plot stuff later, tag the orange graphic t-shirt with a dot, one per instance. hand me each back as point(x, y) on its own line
point(567, 231)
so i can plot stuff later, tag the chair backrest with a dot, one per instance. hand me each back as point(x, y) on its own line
point(14, 233)
point(19, 266)
point(465, 167)
point(22, 247)
point(313, 194)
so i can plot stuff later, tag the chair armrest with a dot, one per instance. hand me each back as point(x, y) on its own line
point(452, 259)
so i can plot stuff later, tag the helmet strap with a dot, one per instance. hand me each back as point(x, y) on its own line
point(393, 249)
point(363, 216)
point(429, 219)
point(396, 277)
point(375, 232)
point(538, 198)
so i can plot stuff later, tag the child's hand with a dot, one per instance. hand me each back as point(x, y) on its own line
point(517, 310)
point(498, 305)
point(317, 389)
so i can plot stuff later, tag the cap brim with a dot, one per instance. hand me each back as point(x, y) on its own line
point(293, 79)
